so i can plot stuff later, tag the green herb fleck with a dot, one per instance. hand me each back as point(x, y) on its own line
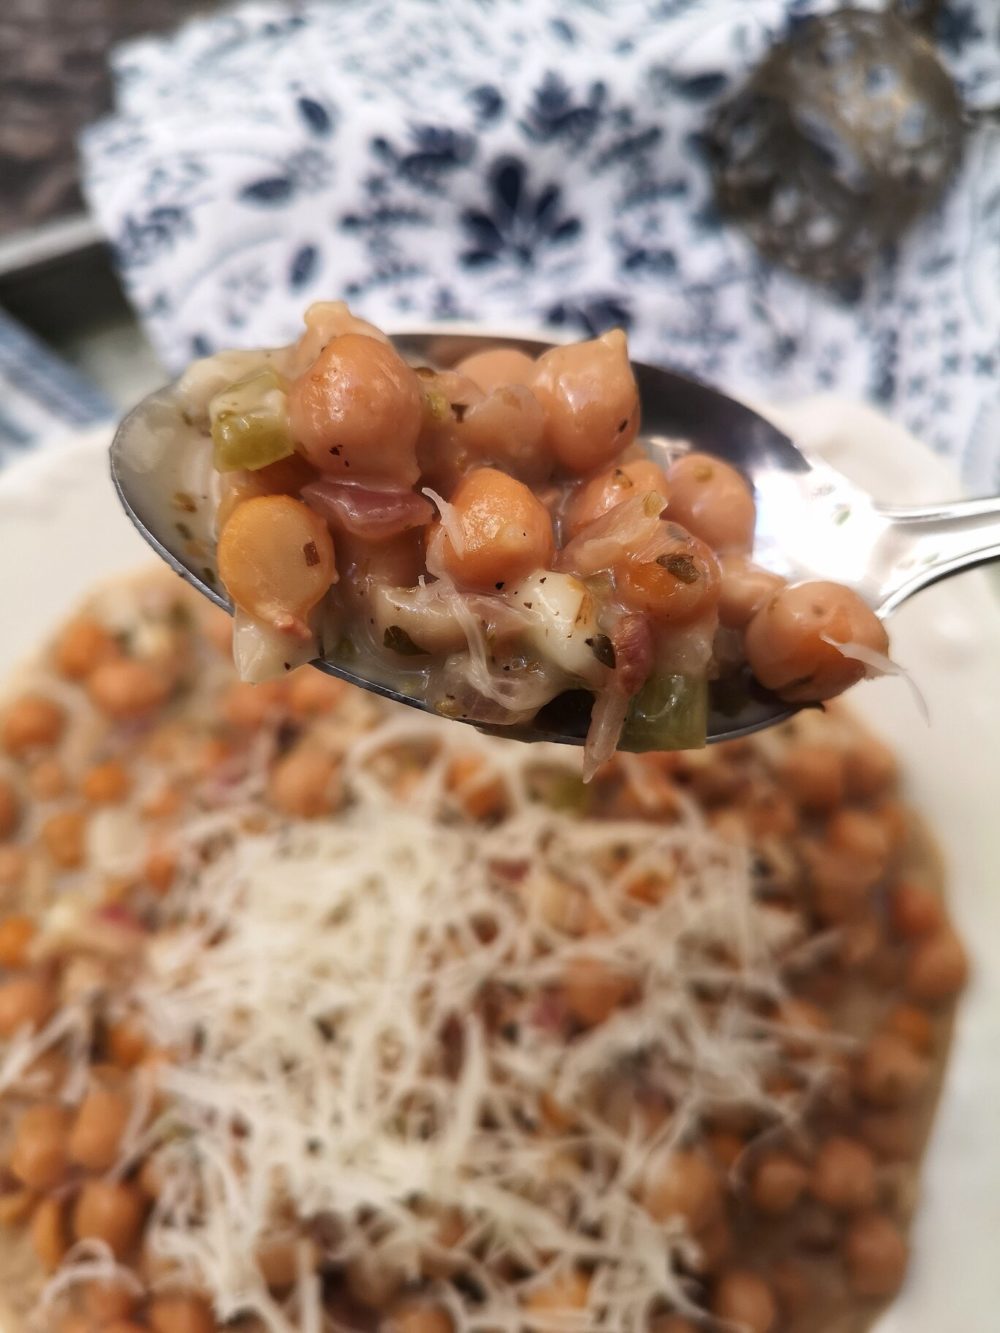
point(682, 567)
point(397, 639)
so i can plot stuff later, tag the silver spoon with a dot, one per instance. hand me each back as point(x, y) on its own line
point(812, 523)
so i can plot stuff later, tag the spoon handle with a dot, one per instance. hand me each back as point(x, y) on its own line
point(926, 543)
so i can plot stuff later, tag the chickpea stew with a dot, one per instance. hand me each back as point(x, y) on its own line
point(491, 537)
point(316, 1015)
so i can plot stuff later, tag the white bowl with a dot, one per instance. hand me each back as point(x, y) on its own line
point(61, 531)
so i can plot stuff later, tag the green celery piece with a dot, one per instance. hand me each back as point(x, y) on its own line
point(250, 423)
point(668, 713)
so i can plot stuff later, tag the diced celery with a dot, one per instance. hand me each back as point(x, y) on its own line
point(250, 423)
point(668, 713)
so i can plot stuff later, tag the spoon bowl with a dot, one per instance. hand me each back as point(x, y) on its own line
point(812, 523)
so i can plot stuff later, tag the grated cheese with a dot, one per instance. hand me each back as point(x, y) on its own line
point(314, 974)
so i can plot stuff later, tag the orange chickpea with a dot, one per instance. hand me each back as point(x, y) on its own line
point(843, 1175)
point(938, 967)
point(72, 1321)
point(677, 587)
point(778, 1183)
point(744, 1299)
point(10, 808)
point(106, 784)
point(683, 1184)
point(109, 1301)
point(860, 834)
point(47, 780)
point(890, 1072)
point(25, 1001)
point(595, 497)
point(276, 559)
point(305, 783)
point(13, 866)
point(96, 1135)
point(32, 722)
point(712, 500)
point(506, 429)
point(83, 645)
point(792, 1287)
point(248, 706)
point(313, 693)
point(876, 1255)
point(506, 533)
point(913, 1025)
point(416, 1316)
point(593, 990)
point(39, 1155)
point(786, 643)
point(279, 1261)
point(126, 689)
point(915, 910)
point(497, 367)
point(180, 1314)
point(871, 768)
point(356, 412)
point(726, 1146)
point(745, 589)
point(126, 1044)
point(64, 837)
point(813, 775)
point(558, 1295)
point(590, 400)
point(480, 796)
point(892, 1135)
point(159, 868)
point(16, 934)
point(47, 1233)
point(110, 1211)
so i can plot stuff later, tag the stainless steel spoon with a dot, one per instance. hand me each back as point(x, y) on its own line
point(812, 523)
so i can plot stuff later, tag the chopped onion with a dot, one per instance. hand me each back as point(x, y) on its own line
point(449, 521)
point(373, 514)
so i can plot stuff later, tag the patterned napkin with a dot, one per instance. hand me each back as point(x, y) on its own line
point(526, 163)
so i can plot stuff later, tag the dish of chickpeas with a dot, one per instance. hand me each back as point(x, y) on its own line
point(653, 1054)
point(492, 537)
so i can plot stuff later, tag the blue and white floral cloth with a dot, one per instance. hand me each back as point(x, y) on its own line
point(529, 162)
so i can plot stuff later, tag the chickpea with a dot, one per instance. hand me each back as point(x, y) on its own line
point(915, 910)
point(506, 532)
point(123, 1326)
point(127, 690)
point(312, 693)
point(870, 767)
point(813, 774)
point(110, 1211)
point(479, 795)
point(10, 808)
point(16, 934)
point(64, 837)
point(683, 1184)
point(590, 400)
point(672, 1323)
point(593, 990)
point(681, 584)
point(126, 1043)
point(39, 1158)
point(32, 722)
point(25, 1001)
point(47, 1233)
point(843, 1175)
point(876, 1255)
point(743, 1298)
point(100, 1123)
point(159, 868)
point(938, 967)
point(556, 1297)
point(109, 1301)
point(172, 1313)
point(913, 1025)
point(890, 1072)
point(726, 1146)
point(106, 784)
point(324, 321)
point(506, 429)
point(591, 499)
point(278, 1261)
point(745, 589)
point(712, 500)
point(276, 559)
point(248, 706)
point(47, 780)
point(715, 1243)
point(83, 645)
point(13, 866)
point(416, 1316)
point(778, 1183)
point(305, 783)
point(841, 882)
point(892, 1135)
point(356, 412)
point(792, 1288)
point(497, 368)
point(786, 643)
